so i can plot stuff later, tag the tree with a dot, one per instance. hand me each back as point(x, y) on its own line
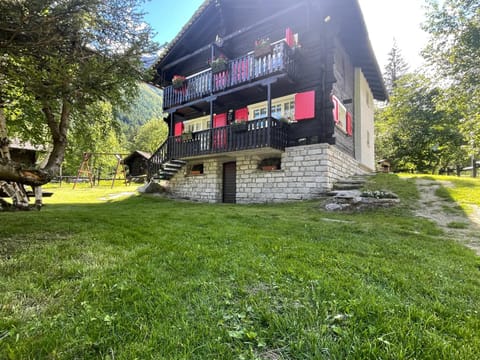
point(414, 132)
point(454, 46)
point(454, 51)
point(66, 56)
point(102, 136)
point(395, 68)
point(151, 135)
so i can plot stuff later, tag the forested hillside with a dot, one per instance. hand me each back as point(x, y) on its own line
point(147, 106)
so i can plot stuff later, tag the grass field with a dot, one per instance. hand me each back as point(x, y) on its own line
point(103, 274)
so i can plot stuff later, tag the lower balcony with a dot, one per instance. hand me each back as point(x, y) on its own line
point(236, 137)
point(249, 135)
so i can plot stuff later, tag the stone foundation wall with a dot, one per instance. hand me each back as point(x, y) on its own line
point(306, 172)
point(205, 188)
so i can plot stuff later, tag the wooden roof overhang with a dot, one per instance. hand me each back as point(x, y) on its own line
point(232, 18)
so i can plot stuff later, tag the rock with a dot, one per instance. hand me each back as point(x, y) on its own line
point(152, 188)
point(336, 207)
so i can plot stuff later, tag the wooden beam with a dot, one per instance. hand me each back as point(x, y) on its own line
point(237, 33)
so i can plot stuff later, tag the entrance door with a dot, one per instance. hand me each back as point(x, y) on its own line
point(229, 182)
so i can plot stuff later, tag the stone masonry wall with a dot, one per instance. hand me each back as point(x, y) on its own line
point(205, 188)
point(306, 172)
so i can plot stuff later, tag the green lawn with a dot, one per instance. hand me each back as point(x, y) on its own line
point(140, 277)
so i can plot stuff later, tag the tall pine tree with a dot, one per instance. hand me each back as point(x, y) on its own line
point(395, 68)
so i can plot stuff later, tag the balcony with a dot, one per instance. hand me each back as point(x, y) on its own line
point(239, 71)
point(254, 134)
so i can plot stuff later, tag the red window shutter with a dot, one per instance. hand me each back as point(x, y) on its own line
point(349, 124)
point(335, 109)
point(220, 120)
point(289, 37)
point(241, 114)
point(220, 135)
point(305, 105)
point(178, 129)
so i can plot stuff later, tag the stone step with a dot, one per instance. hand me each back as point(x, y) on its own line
point(345, 186)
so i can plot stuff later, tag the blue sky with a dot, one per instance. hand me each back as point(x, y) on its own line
point(385, 19)
point(168, 17)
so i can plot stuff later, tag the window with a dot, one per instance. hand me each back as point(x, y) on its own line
point(289, 110)
point(283, 107)
point(277, 111)
point(197, 124)
point(260, 113)
point(196, 169)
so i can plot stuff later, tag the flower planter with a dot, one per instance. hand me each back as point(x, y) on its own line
point(178, 86)
point(187, 136)
point(179, 83)
point(240, 127)
point(219, 67)
point(195, 172)
point(269, 167)
point(262, 51)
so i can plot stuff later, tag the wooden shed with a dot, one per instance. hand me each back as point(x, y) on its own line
point(137, 163)
point(24, 152)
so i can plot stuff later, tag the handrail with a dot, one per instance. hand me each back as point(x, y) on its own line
point(265, 132)
point(159, 157)
point(240, 70)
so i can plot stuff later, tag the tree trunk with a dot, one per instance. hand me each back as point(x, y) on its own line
point(474, 167)
point(13, 175)
point(59, 132)
point(13, 189)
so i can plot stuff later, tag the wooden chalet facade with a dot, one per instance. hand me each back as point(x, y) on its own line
point(250, 82)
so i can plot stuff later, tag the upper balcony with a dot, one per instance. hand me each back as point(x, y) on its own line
point(256, 65)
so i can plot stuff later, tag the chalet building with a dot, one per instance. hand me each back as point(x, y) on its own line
point(267, 100)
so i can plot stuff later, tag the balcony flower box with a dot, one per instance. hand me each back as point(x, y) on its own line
point(262, 48)
point(269, 167)
point(270, 164)
point(219, 64)
point(179, 82)
point(239, 126)
point(187, 136)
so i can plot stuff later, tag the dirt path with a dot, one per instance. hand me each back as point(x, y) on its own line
point(462, 227)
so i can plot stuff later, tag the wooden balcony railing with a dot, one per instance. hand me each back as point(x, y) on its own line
point(239, 71)
point(260, 133)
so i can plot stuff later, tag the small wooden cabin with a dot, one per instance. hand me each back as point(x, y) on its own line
point(137, 163)
point(24, 152)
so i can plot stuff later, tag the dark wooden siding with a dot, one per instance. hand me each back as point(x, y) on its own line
point(23, 156)
point(317, 67)
point(137, 166)
point(344, 90)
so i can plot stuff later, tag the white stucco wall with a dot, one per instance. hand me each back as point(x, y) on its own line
point(364, 129)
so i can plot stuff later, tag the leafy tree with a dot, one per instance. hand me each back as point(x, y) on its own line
point(66, 56)
point(151, 135)
point(454, 51)
point(414, 132)
point(396, 67)
point(102, 136)
point(454, 46)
